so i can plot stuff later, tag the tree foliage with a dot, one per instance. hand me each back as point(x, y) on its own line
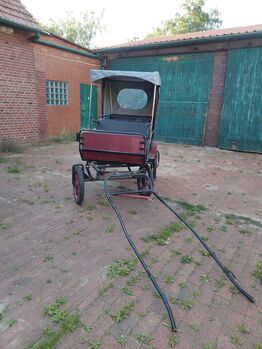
point(81, 31)
point(193, 18)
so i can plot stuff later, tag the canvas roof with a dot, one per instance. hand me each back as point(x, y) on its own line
point(152, 77)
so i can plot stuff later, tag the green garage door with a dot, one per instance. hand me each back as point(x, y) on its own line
point(183, 95)
point(88, 108)
point(241, 120)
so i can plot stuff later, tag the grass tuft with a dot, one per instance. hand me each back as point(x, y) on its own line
point(63, 137)
point(195, 327)
point(144, 338)
point(172, 340)
point(5, 226)
point(122, 340)
point(204, 278)
point(132, 211)
point(243, 328)
point(135, 278)
point(186, 303)
point(186, 259)
point(123, 312)
point(93, 344)
point(65, 323)
point(127, 290)
point(233, 290)
point(245, 232)
point(13, 169)
point(258, 271)
point(236, 341)
point(121, 267)
point(164, 234)
point(169, 279)
point(8, 146)
point(235, 219)
point(110, 228)
point(204, 253)
point(196, 293)
point(3, 159)
point(103, 290)
point(175, 252)
point(191, 210)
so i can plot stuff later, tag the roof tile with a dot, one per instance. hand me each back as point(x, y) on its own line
point(189, 36)
point(15, 12)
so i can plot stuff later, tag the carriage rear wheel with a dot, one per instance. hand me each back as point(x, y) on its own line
point(143, 184)
point(78, 184)
point(156, 164)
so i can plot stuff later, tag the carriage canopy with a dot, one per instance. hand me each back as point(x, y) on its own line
point(120, 75)
point(127, 93)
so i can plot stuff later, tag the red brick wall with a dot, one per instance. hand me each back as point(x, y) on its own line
point(58, 65)
point(42, 104)
point(18, 88)
point(215, 99)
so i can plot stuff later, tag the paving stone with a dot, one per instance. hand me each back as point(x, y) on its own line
point(223, 342)
point(45, 222)
point(126, 326)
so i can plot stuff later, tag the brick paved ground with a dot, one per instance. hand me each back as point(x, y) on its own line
point(51, 248)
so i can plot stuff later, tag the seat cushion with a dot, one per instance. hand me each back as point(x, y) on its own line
point(123, 125)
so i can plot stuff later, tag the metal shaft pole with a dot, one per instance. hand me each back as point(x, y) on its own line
point(227, 272)
point(144, 265)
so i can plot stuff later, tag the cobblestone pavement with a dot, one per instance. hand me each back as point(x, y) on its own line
point(51, 249)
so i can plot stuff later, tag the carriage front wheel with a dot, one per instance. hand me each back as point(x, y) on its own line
point(78, 184)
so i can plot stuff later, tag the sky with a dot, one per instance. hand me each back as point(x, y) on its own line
point(123, 20)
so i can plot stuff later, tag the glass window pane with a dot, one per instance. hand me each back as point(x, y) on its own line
point(56, 92)
point(129, 98)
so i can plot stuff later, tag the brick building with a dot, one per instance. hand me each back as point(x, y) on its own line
point(64, 67)
point(211, 90)
point(211, 82)
point(44, 80)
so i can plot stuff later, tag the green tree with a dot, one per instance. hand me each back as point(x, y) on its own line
point(81, 31)
point(193, 18)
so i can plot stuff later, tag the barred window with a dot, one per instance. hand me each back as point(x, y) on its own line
point(56, 92)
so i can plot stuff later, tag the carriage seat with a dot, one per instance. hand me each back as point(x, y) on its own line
point(123, 125)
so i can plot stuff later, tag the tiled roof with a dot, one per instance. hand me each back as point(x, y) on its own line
point(15, 12)
point(188, 36)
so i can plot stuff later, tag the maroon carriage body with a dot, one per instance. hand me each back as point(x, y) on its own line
point(120, 148)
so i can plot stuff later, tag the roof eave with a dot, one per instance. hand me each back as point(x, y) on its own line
point(159, 45)
point(37, 40)
point(92, 52)
point(22, 26)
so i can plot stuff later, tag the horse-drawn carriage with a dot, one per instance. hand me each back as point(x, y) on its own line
point(123, 136)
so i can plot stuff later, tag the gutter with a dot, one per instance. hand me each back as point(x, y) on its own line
point(185, 42)
point(22, 26)
point(36, 39)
